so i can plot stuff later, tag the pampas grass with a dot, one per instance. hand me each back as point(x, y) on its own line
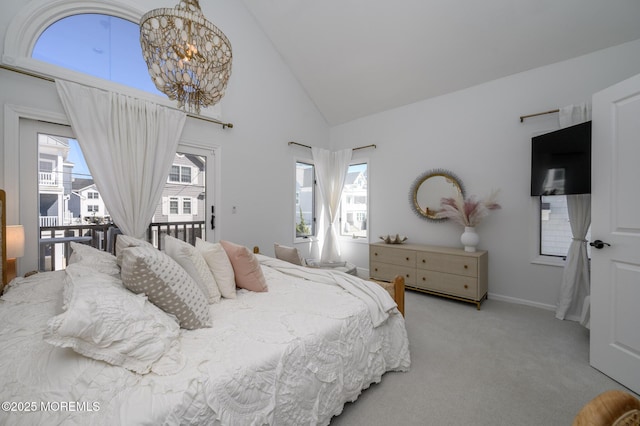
point(469, 211)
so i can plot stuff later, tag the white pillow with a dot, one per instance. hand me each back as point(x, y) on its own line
point(105, 321)
point(167, 285)
point(102, 261)
point(220, 266)
point(192, 261)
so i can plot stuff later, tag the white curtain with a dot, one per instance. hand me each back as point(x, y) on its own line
point(129, 145)
point(575, 289)
point(331, 171)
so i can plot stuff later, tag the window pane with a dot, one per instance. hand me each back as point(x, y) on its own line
point(555, 229)
point(173, 206)
point(185, 177)
point(174, 174)
point(305, 205)
point(186, 206)
point(99, 45)
point(354, 203)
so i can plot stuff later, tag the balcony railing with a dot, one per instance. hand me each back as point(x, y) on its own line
point(55, 241)
point(48, 178)
point(48, 221)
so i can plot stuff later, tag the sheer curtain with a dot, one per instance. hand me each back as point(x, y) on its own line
point(573, 302)
point(131, 143)
point(331, 170)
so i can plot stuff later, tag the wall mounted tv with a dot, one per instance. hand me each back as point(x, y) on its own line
point(561, 161)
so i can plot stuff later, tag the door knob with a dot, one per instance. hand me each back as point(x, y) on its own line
point(599, 244)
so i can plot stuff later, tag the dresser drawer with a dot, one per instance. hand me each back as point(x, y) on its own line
point(394, 256)
point(456, 285)
point(387, 272)
point(451, 264)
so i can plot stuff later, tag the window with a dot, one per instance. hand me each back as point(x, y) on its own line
point(174, 205)
point(186, 206)
point(354, 202)
point(92, 195)
point(93, 208)
point(305, 215)
point(180, 174)
point(555, 229)
point(103, 46)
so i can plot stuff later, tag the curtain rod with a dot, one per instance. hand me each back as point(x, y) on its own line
point(522, 117)
point(47, 78)
point(353, 149)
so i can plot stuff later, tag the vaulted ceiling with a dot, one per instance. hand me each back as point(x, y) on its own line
point(358, 57)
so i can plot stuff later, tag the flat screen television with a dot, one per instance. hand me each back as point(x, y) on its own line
point(561, 161)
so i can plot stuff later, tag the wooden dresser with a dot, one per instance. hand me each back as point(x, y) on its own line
point(443, 271)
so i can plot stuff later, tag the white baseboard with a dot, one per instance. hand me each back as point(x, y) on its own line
point(522, 301)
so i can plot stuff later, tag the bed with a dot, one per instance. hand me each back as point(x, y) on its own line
point(79, 347)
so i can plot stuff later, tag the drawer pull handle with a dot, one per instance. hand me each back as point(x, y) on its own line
point(375, 254)
point(466, 267)
point(407, 259)
point(407, 275)
point(376, 269)
point(424, 278)
point(466, 286)
point(424, 261)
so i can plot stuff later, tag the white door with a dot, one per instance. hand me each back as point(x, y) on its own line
point(615, 276)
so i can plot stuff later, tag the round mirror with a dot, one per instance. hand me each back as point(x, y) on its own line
point(429, 188)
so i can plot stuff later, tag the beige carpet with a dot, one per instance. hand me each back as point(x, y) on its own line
point(506, 364)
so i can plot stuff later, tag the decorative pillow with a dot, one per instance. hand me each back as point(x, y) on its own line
point(105, 321)
point(126, 241)
point(166, 284)
point(219, 265)
point(246, 267)
point(101, 261)
point(289, 254)
point(192, 261)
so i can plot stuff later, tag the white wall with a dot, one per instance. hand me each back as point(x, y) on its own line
point(476, 133)
point(265, 103)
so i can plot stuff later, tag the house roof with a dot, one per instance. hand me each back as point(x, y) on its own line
point(355, 58)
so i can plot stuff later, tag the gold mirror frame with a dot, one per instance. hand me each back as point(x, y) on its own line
point(434, 184)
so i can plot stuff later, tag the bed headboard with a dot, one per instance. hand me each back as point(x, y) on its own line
point(3, 240)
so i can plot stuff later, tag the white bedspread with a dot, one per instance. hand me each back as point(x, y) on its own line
point(377, 300)
point(291, 356)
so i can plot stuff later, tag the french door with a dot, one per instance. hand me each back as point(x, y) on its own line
point(48, 192)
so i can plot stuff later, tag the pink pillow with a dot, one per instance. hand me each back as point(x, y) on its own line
point(246, 267)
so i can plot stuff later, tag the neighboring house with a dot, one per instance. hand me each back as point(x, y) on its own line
point(183, 195)
point(52, 184)
point(91, 208)
point(354, 203)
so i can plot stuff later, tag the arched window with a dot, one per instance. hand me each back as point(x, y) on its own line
point(100, 45)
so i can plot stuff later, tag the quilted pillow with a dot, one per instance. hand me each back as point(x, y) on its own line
point(192, 261)
point(219, 265)
point(246, 267)
point(101, 261)
point(289, 254)
point(166, 284)
point(105, 321)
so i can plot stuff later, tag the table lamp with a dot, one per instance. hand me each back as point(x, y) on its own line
point(15, 248)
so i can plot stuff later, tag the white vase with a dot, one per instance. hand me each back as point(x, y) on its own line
point(469, 238)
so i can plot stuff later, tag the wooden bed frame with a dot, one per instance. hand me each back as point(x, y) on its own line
point(395, 288)
point(3, 239)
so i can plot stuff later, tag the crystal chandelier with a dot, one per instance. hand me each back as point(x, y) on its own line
point(189, 58)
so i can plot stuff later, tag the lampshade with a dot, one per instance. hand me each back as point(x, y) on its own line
point(15, 241)
point(189, 59)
